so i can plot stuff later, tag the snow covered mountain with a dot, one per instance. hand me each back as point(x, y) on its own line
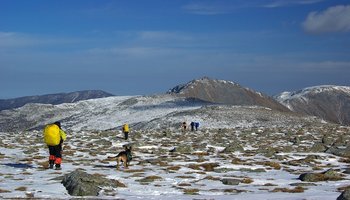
point(94, 114)
point(54, 99)
point(224, 92)
point(144, 112)
point(213, 103)
point(328, 102)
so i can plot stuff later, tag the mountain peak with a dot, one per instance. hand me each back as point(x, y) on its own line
point(224, 92)
point(182, 88)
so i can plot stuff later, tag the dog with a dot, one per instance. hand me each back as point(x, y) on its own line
point(125, 157)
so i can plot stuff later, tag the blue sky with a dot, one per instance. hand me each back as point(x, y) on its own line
point(132, 47)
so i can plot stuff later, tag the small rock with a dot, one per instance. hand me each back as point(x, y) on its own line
point(230, 181)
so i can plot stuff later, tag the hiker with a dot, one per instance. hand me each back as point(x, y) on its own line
point(54, 137)
point(192, 126)
point(125, 130)
point(184, 126)
point(196, 124)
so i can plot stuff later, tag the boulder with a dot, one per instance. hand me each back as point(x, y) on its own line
point(329, 175)
point(346, 171)
point(267, 151)
point(345, 195)
point(342, 152)
point(318, 147)
point(184, 148)
point(295, 141)
point(230, 181)
point(327, 140)
point(233, 147)
point(80, 183)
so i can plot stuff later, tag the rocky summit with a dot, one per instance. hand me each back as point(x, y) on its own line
point(224, 92)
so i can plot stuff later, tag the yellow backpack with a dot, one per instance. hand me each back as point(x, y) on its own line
point(52, 135)
point(126, 128)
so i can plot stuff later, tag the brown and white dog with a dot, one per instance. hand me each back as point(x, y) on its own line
point(125, 157)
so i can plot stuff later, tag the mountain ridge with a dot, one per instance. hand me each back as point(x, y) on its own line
point(53, 99)
point(181, 101)
point(329, 102)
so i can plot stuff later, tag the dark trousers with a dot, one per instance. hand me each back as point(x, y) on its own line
point(126, 135)
point(56, 151)
point(55, 155)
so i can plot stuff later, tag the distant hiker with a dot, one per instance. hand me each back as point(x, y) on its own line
point(184, 126)
point(54, 137)
point(192, 126)
point(125, 130)
point(196, 124)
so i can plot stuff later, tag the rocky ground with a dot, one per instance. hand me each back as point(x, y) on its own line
point(310, 162)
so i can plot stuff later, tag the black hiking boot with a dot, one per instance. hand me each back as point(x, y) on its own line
point(58, 167)
point(51, 163)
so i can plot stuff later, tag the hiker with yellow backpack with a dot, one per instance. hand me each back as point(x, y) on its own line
point(125, 130)
point(54, 137)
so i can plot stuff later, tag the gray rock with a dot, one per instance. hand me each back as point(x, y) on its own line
point(296, 140)
point(303, 184)
point(233, 147)
point(343, 152)
point(230, 181)
point(340, 141)
point(267, 151)
point(327, 140)
point(344, 195)
point(329, 175)
point(347, 171)
point(80, 183)
point(103, 142)
point(318, 147)
point(184, 148)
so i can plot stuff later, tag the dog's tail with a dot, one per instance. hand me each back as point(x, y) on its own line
point(110, 157)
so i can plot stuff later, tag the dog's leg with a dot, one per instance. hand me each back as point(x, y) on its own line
point(117, 163)
point(126, 164)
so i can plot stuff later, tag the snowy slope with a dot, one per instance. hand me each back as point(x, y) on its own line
point(276, 149)
point(329, 102)
point(285, 96)
point(96, 114)
point(142, 112)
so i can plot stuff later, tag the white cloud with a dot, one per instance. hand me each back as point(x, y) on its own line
point(205, 7)
point(341, 66)
point(285, 3)
point(20, 40)
point(12, 39)
point(334, 19)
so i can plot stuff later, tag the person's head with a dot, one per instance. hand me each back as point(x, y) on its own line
point(58, 124)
